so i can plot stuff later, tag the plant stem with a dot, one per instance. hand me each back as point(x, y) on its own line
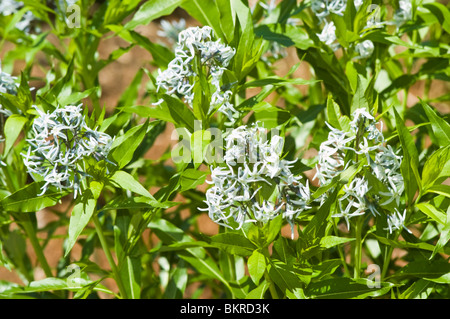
point(101, 236)
point(31, 234)
point(358, 247)
point(272, 289)
point(387, 259)
point(341, 253)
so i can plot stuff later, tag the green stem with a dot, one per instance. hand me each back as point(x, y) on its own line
point(272, 289)
point(387, 259)
point(101, 236)
point(341, 253)
point(31, 234)
point(358, 247)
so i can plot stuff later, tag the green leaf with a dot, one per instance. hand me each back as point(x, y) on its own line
point(416, 290)
point(123, 148)
point(206, 12)
point(227, 19)
point(345, 288)
point(177, 283)
point(152, 10)
point(136, 202)
point(433, 212)
point(284, 276)
point(410, 160)
point(52, 284)
point(77, 96)
point(179, 112)
point(439, 189)
point(258, 292)
point(80, 217)
point(333, 113)
point(161, 55)
point(285, 34)
point(316, 227)
point(359, 99)
point(270, 116)
point(406, 245)
point(256, 266)
point(441, 12)
point(271, 230)
point(233, 244)
point(13, 126)
point(277, 81)
point(331, 241)
point(436, 167)
point(326, 268)
point(440, 127)
point(126, 181)
point(130, 266)
point(444, 237)
point(432, 270)
point(28, 199)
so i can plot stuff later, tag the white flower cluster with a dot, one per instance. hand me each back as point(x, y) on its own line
point(322, 9)
point(212, 56)
point(363, 139)
point(253, 163)
point(61, 141)
point(9, 7)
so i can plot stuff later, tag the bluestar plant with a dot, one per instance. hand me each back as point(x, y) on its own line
point(196, 45)
point(253, 165)
point(364, 138)
point(60, 142)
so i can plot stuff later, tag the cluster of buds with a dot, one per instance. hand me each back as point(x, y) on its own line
point(196, 52)
point(366, 141)
point(255, 184)
point(61, 141)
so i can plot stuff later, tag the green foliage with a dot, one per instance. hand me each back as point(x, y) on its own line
point(146, 215)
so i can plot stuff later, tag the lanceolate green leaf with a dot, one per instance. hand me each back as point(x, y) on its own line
point(232, 243)
point(206, 12)
point(345, 288)
point(13, 127)
point(128, 182)
point(440, 127)
point(152, 10)
point(444, 237)
point(256, 266)
point(123, 148)
point(29, 199)
point(433, 212)
point(437, 167)
point(423, 269)
point(410, 158)
point(80, 217)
